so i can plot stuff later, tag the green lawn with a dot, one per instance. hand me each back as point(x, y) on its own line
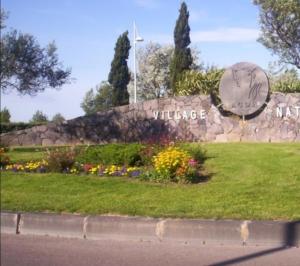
point(248, 181)
point(26, 154)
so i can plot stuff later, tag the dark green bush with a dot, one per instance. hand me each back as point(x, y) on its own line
point(8, 127)
point(195, 150)
point(119, 154)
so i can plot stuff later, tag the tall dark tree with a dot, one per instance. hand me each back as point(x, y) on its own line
point(119, 75)
point(182, 58)
point(25, 65)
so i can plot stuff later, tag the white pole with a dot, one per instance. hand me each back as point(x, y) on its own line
point(134, 61)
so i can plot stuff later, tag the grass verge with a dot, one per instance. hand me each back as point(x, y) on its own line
point(248, 181)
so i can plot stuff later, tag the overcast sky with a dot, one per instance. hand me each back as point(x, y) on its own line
point(85, 32)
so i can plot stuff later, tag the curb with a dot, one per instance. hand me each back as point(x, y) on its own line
point(206, 232)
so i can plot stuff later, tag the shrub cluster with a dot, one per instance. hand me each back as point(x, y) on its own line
point(8, 127)
point(4, 158)
point(194, 82)
point(118, 154)
point(287, 82)
point(166, 163)
point(60, 160)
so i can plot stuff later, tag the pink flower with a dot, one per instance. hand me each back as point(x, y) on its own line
point(192, 162)
point(87, 167)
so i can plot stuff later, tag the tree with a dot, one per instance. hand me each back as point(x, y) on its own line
point(39, 117)
point(100, 101)
point(58, 118)
point(5, 115)
point(182, 58)
point(3, 17)
point(88, 103)
point(280, 26)
point(26, 66)
point(119, 75)
point(153, 78)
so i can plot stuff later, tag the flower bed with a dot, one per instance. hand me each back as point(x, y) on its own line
point(167, 163)
point(42, 167)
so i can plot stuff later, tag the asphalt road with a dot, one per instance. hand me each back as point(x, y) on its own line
point(42, 250)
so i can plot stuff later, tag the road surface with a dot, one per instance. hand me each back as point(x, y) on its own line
point(44, 250)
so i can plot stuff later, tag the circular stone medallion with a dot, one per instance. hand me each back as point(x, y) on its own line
point(244, 88)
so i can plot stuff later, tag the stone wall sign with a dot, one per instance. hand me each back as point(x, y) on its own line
point(244, 88)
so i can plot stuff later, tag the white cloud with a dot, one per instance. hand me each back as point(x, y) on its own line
point(234, 34)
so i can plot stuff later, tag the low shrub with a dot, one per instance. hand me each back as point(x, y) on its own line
point(148, 152)
point(287, 81)
point(195, 150)
point(112, 154)
point(4, 158)
point(60, 160)
point(193, 82)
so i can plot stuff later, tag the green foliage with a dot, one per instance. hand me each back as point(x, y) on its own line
point(197, 151)
point(27, 67)
point(280, 22)
point(4, 115)
point(58, 118)
point(118, 154)
point(119, 75)
point(4, 158)
point(88, 103)
point(286, 82)
point(3, 17)
point(100, 101)
point(182, 58)
point(39, 117)
point(194, 82)
point(8, 127)
point(60, 160)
